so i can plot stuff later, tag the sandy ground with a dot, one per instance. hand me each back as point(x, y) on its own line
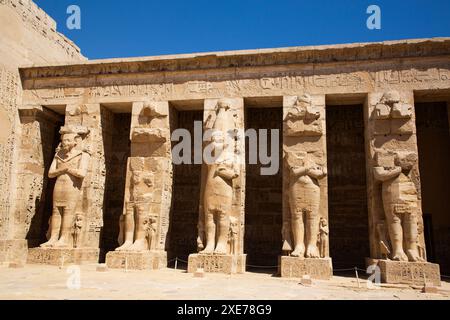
point(49, 282)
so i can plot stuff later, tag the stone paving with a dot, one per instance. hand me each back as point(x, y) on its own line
point(34, 282)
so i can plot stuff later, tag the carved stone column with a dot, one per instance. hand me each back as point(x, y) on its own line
point(222, 199)
point(148, 189)
point(394, 197)
point(81, 209)
point(305, 193)
point(38, 128)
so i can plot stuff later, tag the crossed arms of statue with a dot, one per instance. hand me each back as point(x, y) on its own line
point(227, 172)
point(315, 172)
point(384, 174)
point(80, 172)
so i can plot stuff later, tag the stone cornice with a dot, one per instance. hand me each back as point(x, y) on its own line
point(246, 58)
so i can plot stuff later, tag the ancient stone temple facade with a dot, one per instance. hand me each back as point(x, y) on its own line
point(362, 146)
point(27, 36)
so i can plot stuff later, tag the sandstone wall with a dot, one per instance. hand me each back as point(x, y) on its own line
point(27, 36)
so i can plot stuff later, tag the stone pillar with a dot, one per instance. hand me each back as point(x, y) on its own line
point(38, 130)
point(305, 192)
point(148, 189)
point(9, 140)
point(394, 197)
point(222, 197)
point(85, 121)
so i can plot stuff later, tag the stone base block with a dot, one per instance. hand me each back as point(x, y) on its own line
point(215, 263)
point(294, 267)
point(61, 256)
point(13, 251)
point(146, 260)
point(411, 273)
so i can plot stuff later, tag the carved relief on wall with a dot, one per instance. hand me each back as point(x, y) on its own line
point(392, 115)
point(147, 129)
point(69, 167)
point(303, 118)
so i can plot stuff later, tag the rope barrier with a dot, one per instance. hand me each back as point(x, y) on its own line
point(262, 267)
point(278, 266)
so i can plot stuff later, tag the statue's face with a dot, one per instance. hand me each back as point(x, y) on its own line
point(68, 141)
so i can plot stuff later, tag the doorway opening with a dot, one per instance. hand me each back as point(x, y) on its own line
point(263, 193)
point(49, 127)
point(347, 189)
point(433, 139)
point(184, 214)
point(116, 124)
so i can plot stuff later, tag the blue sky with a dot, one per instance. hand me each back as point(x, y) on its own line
point(111, 28)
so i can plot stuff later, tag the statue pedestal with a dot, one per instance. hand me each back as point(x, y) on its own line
point(215, 263)
point(63, 256)
point(145, 260)
point(294, 267)
point(412, 273)
point(15, 251)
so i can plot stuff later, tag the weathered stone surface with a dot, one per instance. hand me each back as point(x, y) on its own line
point(58, 257)
point(295, 267)
point(215, 263)
point(28, 36)
point(13, 251)
point(145, 260)
point(141, 95)
point(412, 273)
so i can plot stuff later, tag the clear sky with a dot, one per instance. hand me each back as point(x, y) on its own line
point(116, 28)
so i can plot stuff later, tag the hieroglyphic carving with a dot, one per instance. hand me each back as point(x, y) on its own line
point(412, 273)
point(217, 263)
point(291, 267)
point(9, 89)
